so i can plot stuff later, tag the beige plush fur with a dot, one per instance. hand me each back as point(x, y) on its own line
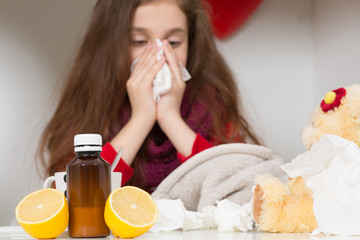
point(343, 121)
point(280, 208)
point(283, 208)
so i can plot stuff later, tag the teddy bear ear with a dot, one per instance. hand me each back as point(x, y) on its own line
point(332, 99)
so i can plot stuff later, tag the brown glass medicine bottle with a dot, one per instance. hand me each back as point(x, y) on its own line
point(88, 187)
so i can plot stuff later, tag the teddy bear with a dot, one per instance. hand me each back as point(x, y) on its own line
point(289, 208)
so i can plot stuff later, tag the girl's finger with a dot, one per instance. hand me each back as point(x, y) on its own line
point(140, 61)
point(143, 55)
point(148, 52)
point(145, 66)
point(177, 82)
point(172, 60)
point(155, 68)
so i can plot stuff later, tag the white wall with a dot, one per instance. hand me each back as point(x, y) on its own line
point(272, 58)
point(337, 45)
point(37, 41)
point(287, 56)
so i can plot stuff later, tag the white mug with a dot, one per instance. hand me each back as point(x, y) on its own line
point(60, 181)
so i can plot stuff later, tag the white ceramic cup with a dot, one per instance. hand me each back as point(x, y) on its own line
point(60, 181)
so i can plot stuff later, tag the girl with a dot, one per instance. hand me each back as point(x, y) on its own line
point(103, 96)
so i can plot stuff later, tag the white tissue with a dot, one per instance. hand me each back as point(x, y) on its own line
point(171, 215)
point(225, 216)
point(162, 81)
point(231, 217)
point(331, 169)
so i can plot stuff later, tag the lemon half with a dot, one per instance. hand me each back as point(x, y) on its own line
point(130, 212)
point(43, 213)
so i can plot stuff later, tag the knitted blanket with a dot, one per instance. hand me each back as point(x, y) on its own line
point(225, 171)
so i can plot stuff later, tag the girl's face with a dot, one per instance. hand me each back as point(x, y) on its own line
point(161, 19)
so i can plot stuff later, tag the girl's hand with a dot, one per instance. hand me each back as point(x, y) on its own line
point(143, 106)
point(139, 86)
point(168, 108)
point(169, 105)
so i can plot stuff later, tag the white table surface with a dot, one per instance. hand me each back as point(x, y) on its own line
point(16, 232)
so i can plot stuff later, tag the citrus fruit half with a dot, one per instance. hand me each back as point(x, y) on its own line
point(43, 213)
point(130, 212)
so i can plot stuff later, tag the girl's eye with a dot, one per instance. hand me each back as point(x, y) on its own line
point(174, 43)
point(139, 43)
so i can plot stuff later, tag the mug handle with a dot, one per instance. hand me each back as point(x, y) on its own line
point(48, 182)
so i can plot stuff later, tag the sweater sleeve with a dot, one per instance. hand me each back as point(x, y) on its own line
point(199, 145)
point(108, 154)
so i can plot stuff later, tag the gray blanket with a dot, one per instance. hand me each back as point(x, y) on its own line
point(225, 171)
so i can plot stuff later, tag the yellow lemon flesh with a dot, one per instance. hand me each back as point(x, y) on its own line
point(329, 97)
point(43, 213)
point(130, 212)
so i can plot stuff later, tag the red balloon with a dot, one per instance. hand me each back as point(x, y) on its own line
point(228, 15)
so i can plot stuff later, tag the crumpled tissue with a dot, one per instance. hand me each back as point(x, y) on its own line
point(162, 81)
point(331, 169)
point(226, 216)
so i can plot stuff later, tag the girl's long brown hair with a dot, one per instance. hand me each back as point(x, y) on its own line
point(95, 88)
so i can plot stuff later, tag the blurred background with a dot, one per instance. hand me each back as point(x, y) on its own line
point(286, 56)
